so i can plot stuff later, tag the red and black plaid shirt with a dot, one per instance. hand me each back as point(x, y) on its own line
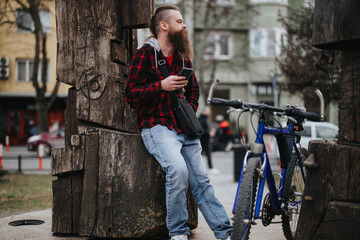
point(143, 91)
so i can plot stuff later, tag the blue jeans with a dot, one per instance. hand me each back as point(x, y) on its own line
point(181, 160)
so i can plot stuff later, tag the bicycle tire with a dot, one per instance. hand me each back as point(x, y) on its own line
point(245, 201)
point(293, 183)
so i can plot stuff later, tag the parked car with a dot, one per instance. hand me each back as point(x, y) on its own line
point(50, 140)
point(317, 131)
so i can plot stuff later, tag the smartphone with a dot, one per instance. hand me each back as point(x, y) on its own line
point(186, 72)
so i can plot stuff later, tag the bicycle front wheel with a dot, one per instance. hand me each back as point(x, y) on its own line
point(294, 185)
point(246, 201)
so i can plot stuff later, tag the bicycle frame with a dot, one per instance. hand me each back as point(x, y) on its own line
point(265, 171)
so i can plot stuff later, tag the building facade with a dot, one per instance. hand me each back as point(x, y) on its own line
point(236, 41)
point(18, 112)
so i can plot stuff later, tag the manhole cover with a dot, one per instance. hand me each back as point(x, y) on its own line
point(26, 222)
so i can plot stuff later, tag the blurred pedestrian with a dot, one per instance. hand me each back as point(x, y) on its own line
point(33, 128)
point(223, 135)
point(205, 138)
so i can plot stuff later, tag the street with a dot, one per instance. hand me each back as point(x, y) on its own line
point(225, 190)
point(29, 161)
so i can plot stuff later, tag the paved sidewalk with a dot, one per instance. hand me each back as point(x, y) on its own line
point(225, 189)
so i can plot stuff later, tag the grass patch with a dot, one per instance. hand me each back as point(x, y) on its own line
point(24, 193)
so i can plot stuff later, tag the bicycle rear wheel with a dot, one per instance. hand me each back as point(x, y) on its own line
point(292, 194)
point(246, 201)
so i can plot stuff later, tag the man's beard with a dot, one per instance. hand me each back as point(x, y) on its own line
point(181, 43)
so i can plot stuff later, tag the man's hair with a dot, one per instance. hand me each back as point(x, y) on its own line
point(161, 14)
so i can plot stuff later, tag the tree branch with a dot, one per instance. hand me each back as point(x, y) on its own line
point(23, 6)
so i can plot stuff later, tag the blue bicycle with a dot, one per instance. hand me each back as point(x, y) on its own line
point(286, 198)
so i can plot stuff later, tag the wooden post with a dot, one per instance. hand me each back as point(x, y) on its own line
point(331, 206)
point(108, 185)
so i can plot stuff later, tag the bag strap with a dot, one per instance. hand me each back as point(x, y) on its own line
point(165, 72)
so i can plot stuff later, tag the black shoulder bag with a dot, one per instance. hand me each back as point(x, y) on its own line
point(184, 113)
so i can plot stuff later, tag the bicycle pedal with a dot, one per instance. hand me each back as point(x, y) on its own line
point(253, 223)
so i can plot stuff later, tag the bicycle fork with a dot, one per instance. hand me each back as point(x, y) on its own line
point(265, 174)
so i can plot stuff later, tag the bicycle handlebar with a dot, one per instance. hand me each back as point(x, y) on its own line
point(289, 111)
point(265, 107)
point(228, 103)
point(296, 113)
point(322, 104)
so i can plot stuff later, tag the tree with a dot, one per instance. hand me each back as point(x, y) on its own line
point(33, 8)
point(305, 67)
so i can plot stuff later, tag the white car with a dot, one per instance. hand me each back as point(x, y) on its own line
point(317, 131)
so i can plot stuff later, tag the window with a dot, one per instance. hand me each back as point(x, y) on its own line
point(268, 1)
point(306, 132)
point(309, 3)
point(218, 45)
point(161, 2)
point(266, 42)
point(25, 70)
point(325, 132)
point(24, 22)
point(225, 2)
point(221, 2)
point(271, 44)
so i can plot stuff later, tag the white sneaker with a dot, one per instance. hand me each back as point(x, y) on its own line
point(179, 237)
point(215, 171)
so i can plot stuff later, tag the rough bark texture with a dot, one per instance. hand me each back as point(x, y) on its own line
point(335, 177)
point(108, 185)
point(331, 204)
point(94, 52)
point(336, 21)
point(349, 110)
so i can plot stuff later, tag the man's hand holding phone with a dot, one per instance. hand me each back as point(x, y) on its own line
point(173, 82)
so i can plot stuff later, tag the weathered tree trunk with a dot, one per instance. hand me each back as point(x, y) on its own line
point(331, 208)
point(332, 193)
point(40, 49)
point(42, 109)
point(108, 184)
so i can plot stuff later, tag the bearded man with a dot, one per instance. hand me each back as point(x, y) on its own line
point(148, 92)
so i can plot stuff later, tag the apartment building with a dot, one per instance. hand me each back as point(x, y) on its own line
point(236, 41)
point(17, 95)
